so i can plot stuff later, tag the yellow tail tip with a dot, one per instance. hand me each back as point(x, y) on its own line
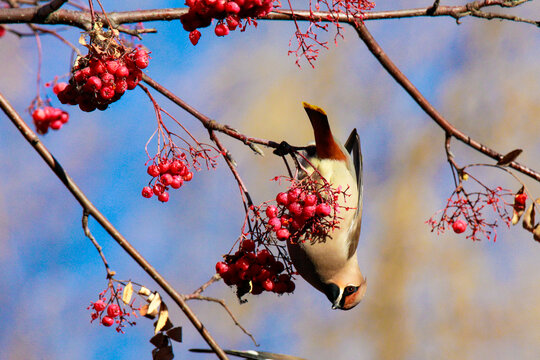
point(313, 107)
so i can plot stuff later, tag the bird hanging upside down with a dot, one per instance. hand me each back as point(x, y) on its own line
point(331, 266)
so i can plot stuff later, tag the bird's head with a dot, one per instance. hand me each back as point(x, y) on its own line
point(345, 296)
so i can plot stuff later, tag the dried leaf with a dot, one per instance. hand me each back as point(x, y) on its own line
point(159, 340)
point(162, 319)
point(127, 293)
point(528, 219)
point(144, 310)
point(144, 291)
point(508, 158)
point(536, 232)
point(175, 333)
point(164, 353)
point(82, 40)
point(154, 305)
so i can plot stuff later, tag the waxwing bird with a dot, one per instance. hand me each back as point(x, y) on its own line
point(252, 354)
point(331, 266)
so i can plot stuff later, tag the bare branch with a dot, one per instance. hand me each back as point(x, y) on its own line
point(89, 235)
point(394, 71)
point(88, 206)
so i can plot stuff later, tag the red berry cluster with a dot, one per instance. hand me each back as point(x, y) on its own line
point(255, 272)
point(49, 117)
point(297, 210)
point(228, 13)
point(167, 173)
point(99, 80)
point(113, 311)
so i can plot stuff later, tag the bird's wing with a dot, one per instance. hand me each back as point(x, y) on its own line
point(252, 354)
point(353, 147)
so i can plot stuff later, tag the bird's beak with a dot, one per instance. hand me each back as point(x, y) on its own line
point(334, 294)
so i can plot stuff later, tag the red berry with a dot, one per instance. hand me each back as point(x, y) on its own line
point(293, 195)
point(120, 86)
point(521, 199)
point(282, 199)
point(97, 67)
point(263, 256)
point(290, 286)
point(247, 245)
point(163, 197)
point(268, 284)
point(295, 209)
point(280, 288)
point(147, 192)
point(271, 211)
point(2, 31)
point(232, 7)
point(106, 93)
point(275, 223)
point(222, 268)
point(283, 234)
point(113, 310)
point(278, 267)
point(158, 189)
point(194, 36)
point(107, 79)
point(188, 176)
point(221, 29)
point(166, 179)
point(93, 84)
point(153, 170)
point(310, 200)
point(242, 264)
point(176, 167)
point(64, 117)
point(112, 66)
point(297, 224)
point(177, 182)
point(107, 321)
point(459, 226)
point(308, 211)
point(59, 87)
point(164, 166)
point(39, 115)
point(323, 209)
point(56, 125)
point(256, 289)
point(122, 71)
point(232, 22)
point(99, 305)
point(142, 62)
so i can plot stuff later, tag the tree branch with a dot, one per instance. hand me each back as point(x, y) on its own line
point(394, 71)
point(68, 182)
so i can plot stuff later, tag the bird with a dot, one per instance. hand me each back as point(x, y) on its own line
point(331, 266)
point(252, 354)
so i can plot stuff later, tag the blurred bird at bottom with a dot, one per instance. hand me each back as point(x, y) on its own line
point(252, 354)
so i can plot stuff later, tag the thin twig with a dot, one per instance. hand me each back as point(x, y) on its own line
point(222, 303)
point(89, 235)
point(87, 205)
point(213, 279)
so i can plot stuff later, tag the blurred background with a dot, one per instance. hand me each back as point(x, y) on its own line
point(429, 296)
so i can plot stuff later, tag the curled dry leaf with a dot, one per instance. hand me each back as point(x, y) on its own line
point(508, 158)
point(162, 319)
point(159, 340)
point(144, 291)
point(154, 304)
point(528, 219)
point(175, 333)
point(144, 312)
point(127, 293)
point(536, 232)
point(164, 353)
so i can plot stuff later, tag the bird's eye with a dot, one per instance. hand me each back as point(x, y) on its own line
point(350, 289)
